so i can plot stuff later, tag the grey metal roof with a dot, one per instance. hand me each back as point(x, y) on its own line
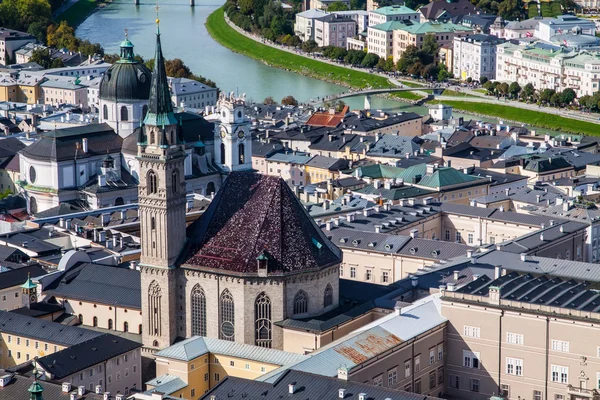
point(394, 146)
point(18, 276)
point(18, 385)
point(99, 283)
point(43, 330)
point(309, 387)
point(330, 163)
point(85, 354)
point(389, 331)
point(433, 249)
point(166, 384)
point(196, 346)
point(370, 241)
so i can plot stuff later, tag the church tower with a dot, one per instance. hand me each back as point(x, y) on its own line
point(162, 206)
point(233, 143)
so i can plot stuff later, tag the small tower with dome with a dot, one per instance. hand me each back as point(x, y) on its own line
point(124, 92)
point(233, 143)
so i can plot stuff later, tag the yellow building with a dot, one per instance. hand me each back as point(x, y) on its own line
point(21, 88)
point(22, 338)
point(190, 368)
point(322, 169)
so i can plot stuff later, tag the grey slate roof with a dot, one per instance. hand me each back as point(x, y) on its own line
point(99, 283)
point(61, 144)
point(85, 354)
point(309, 387)
point(17, 390)
point(19, 276)
point(359, 123)
point(433, 249)
point(166, 384)
point(330, 163)
point(393, 146)
point(43, 330)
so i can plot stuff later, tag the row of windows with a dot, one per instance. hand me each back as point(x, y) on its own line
point(385, 275)
point(4, 296)
point(110, 324)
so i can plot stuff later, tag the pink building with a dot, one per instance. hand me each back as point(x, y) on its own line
point(333, 30)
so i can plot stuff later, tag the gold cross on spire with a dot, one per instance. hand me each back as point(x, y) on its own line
point(157, 7)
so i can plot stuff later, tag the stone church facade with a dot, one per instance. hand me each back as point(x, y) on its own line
point(254, 258)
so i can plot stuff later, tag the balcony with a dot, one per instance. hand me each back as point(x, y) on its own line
point(577, 393)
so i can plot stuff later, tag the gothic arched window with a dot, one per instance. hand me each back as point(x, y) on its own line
point(223, 159)
point(174, 181)
point(301, 302)
point(328, 296)
point(124, 114)
point(262, 320)
point(198, 311)
point(105, 111)
point(144, 112)
point(151, 182)
point(152, 138)
point(227, 324)
point(125, 327)
point(154, 297)
point(210, 188)
point(241, 153)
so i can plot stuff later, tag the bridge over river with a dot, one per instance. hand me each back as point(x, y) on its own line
point(371, 92)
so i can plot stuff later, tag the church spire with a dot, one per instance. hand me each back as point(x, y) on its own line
point(160, 110)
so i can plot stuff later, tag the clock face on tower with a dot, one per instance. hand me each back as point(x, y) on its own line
point(240, 134)
point(32, 298)
point(223, 133)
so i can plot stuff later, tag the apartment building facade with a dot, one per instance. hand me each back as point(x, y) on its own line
point(393, 13)
point(10, 41)
point(414, 34)
point(475, 57)
point(522, 337)
point(333, 30)
point(548, 69)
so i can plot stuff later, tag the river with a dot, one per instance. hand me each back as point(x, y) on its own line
point(184, 36)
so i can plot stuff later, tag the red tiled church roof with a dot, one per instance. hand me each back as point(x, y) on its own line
point(254, 214)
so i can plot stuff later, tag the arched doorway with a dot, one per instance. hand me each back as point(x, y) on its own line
point(210, 188)
point(119, 201)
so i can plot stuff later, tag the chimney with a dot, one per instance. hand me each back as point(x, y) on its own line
point(101, 236)
point(414, 280)
point(104, 219)
point(377, 184)
point(106, 396)
point(542, 236)
point(538, 198)
point(80, 390)
point(66, 387)
point(73, 396)
point(84, 145)
point(328, 225)
point(455, 275)
point(411, 201)
point(414, 233)
point(292, 388)
point(362, 396)
point(523, 256)
point(562, 229)
point(469, 253)
point(341, 392)
point(98, 389)
point(507, 191)
point(377, 228)
point(475, 277)
point(451, 286)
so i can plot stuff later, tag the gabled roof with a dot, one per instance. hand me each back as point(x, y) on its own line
point(18, 385)
point(196, 346)
point(65, 144)
point(436, 8)
point(253, 214)
point(85, 354)
point(19, 276)
point(99, 283)
point(43, 330)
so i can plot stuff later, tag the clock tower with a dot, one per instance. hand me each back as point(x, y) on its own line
point(29, 295)
point(233, 143)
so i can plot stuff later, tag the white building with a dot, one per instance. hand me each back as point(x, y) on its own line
point(361, 17)
point(233, 141)
point(548, 69)
point(10, 41)
point(392, 13)
point(189, 93)
point(475, 57)
point(563, 24)
point(380, 38)
point(304, 27)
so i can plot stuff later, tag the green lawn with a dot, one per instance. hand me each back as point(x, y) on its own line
point(411, 84)
point(534, 118)
point(454, 93)
point(228, 37)
point(406, 95)
point(484, 91)
point(78, 12)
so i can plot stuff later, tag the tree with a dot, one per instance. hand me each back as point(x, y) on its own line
point(246, 6)
point(568, 95)
point(514, 89)
point(42, 57)
point(583, 100)
point(483, 80)
point(546, 95)
point(337, 6)
point(358, 4)
point(289, 101)
point(389, 65)
point(490, 86)
point(502, 88)
point(62, 36)
point(381, 63)
point(354, 57)
point(309, 46)
point(176, 68)
point(555, 99)
point(38, 29)
point(529, 90)
point(20, 14)
point(408, 58)
point(339, 105)
point(429, 49)
point(443, 75)
point(89, 49)
point(511, 9)
point(269, 101)
point(370, 60)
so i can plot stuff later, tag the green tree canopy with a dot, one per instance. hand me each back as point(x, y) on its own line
point(568, 95)
point(42, 57)
point(337, 6)
point(289, 101)
point(370, 60)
